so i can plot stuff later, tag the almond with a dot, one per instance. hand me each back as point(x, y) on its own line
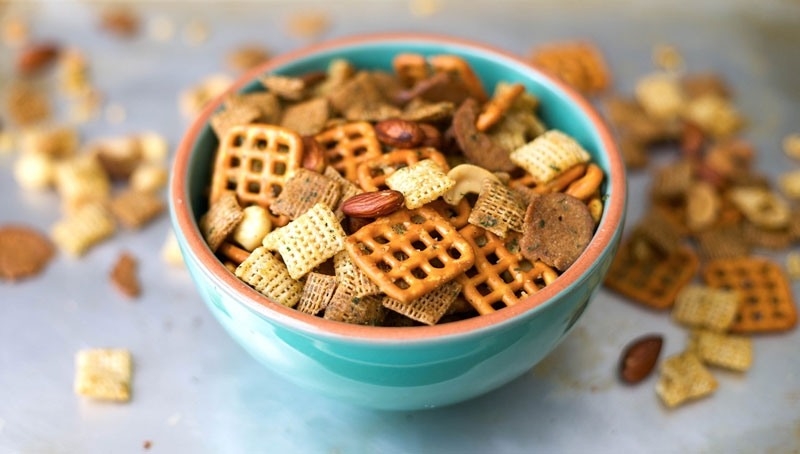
point(313, 155)
point(432, 137)
point(37, 57)
point(639, 358)
point(399, 133)
point(373, 204)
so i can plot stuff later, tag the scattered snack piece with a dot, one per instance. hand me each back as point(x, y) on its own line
point(790, 184)
point(26, 104)
point(246, 57)
point(722, 350)
point(24, 252)
point(668, 58)
point(90, 224)
point(761, 206)
point(793, 265)
point(57, 142)
point(661, 96)
point(221, 219)
point(269, 276)
point(791, 145)
point(149, 177)
point(653, 281)
point(104, 374)
point(36, 58)
point(135, 209)
point(308, 240)
point(684, 378)
point(699, 306)
point(715, 115)
point(35, 171)
point(556, 230)
point(766, 301)
point(171, 251)
point(580, 64)
point(193, 99)
point(308, 25)
point(639, 358)
point(82, 179)
point(124, 275)
point(120, 21)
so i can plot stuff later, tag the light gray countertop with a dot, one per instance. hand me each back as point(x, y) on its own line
point(195, 390)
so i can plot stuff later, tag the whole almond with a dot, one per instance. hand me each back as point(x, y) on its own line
point(432, 137)
point(313, 155)
point(36, 58)
point(373, 204)
point(399, 133)
point(639, 358)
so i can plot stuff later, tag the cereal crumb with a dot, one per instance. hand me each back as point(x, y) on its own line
point(196, 32)
point(308, 25)
point(103, 374)
point(161, 29)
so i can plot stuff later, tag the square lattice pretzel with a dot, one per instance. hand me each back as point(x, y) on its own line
point(255, 161)
point(410, 252)
point(500, 276)
point(348, 145)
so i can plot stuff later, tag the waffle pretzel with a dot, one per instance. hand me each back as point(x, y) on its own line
point(766, 301)
point(500, 276)
point(410, 252)
point(348, 145)
point(372, 173)
point(255, 161)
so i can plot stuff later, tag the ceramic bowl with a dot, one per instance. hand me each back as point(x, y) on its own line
point(412, 367)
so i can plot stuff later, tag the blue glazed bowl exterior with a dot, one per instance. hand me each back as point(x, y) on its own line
point(402, 368)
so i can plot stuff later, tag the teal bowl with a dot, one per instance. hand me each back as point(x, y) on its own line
point(412, 367)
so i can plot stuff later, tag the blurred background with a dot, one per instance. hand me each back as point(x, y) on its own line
point(121, 69)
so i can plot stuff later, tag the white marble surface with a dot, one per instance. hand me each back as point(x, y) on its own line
point(196, 391)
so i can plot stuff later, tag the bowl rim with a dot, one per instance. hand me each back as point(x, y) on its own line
point(184, 224)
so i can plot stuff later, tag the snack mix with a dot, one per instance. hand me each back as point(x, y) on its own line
point(396, 198)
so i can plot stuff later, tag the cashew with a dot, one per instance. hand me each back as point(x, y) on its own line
point(469, 179)
point(254, 226)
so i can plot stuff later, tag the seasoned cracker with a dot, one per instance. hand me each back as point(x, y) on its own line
point(267, 104)
point(346, 187)
point(24, 252)
point(498, 209)
point(221, 219)
point(420, 183)
point(90, 224)
point(372, 173)
point(722, 350)
point(360, 99)
point(269, 276)
point(478, 147)
point(224, 120)
point(308, 117)
point(700, 306)
point(124, 275)
point(104, 374)
point(550, 154)
point(82, 178)
point(430, 307)
point(310, 239)
point(303, 190)
point(135, 209)
point(661, 96)
point(358, 310)
point(351, 276)
point(722, 243)
point(556, 229)
point(684, 378)
point(317, 293)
